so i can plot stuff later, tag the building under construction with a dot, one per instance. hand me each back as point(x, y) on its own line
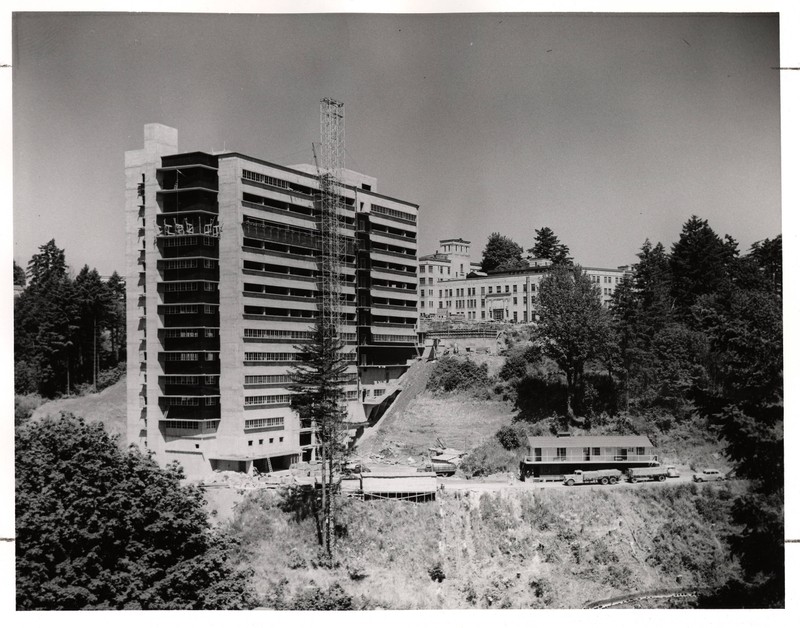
point(231, 261)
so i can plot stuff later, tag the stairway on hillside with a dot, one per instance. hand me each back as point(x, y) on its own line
point(413, 382)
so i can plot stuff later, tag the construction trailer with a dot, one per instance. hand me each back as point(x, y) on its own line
point(553, 457)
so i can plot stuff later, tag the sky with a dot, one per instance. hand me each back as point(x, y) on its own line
point(609, 129)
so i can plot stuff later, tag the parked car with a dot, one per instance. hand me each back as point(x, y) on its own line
point(672, 471)
point(708, 475)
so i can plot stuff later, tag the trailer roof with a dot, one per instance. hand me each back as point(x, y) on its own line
point(630, 440)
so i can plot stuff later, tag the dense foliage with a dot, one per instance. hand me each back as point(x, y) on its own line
point(501, 253)
point(573, 328)
point(66, 331)
point(459, 375)
point(694, 334)
point(102, 528)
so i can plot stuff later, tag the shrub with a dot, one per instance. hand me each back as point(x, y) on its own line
point(24, 405)
point(99, 527)
point(314, 598)
point(436, 572)
point(511, 437)
point(515, 367)
point(489, 457)
point(453, 374)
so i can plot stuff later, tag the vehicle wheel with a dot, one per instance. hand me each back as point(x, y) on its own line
point(570, 482)
point(662, 478)
point(612, 480)
point(603, 480)
point(720, 479)
point(634, 480)
point(699, 480)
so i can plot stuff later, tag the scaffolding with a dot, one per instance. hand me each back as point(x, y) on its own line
point(331, 165)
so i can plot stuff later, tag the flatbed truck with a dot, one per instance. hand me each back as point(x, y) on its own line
point(601, 476)
point(643, 474)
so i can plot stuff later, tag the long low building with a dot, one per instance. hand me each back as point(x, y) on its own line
point(557, 455)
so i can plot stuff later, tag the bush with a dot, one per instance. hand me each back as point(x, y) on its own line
point(515, 367)
point(453, 375)
point(24, 405)
point(110, 376)
point(489, 457)
point(99, 527)
point(511, 437)
point(314, 598)
point(436, 572)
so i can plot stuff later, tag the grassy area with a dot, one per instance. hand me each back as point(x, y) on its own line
point(459, 421)
point(108, 406)
point(547, 549)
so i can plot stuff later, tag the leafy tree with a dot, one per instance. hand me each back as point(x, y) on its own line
point(547, 246)
point(572, 324)
point(102, 528)
point(452, 374)
point(19, 275)
point(501, 253)
point(319, 400)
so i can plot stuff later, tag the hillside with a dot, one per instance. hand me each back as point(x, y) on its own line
point(548, 549)
point(108, 406)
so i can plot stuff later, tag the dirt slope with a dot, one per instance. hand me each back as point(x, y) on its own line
point(108, 406)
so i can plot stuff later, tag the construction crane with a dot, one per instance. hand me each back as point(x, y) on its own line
point(329, 169)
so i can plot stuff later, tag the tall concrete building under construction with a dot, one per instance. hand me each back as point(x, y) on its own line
point(223, 281)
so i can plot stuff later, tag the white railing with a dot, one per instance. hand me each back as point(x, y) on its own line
point(584, 458)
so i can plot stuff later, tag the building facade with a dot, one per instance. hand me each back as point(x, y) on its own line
point(446, 291)
point(222, 285)
point(556, 455)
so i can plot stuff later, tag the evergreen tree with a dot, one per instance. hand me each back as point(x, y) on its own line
point(102, 528)
point(572, 325)
point(318, 398)
point(699, 264)
point(117, 328)
point(94, 303)
point(501, 253)
point(548, 246)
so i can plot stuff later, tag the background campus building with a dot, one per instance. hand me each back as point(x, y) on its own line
point(222, 285)
point(452, 286)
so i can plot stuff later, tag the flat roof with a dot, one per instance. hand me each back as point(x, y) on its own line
point(630, 440)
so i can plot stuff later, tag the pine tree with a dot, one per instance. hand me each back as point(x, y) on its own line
point(548, 246)
point(318, 398)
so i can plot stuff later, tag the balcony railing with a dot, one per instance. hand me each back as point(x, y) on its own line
point(592, 459)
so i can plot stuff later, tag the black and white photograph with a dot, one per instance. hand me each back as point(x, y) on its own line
point(380, 310)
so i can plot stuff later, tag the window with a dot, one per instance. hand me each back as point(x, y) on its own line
point(508, 289)
point(265, 400)
point(393, 213)
point(640, 451)
point(515, 287)
point(271, 440)
point(254, 424)
point(596, 451)
point(561, 453)
point(280, 439)
point(249, 443)
point(260, 441)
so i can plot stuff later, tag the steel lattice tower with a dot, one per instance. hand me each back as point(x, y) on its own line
point(331, 119)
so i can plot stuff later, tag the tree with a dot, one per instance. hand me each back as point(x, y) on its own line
point(318, 398)
point(547, 246)
point(501, 253)
point(744, 401)
point(572, 324)
point(118, 332)
point(768, 256)
point(19, 275)
point(102, 528)
point(699, 264)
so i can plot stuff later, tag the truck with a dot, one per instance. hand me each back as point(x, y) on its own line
point(643, 474)
point(601, 476)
